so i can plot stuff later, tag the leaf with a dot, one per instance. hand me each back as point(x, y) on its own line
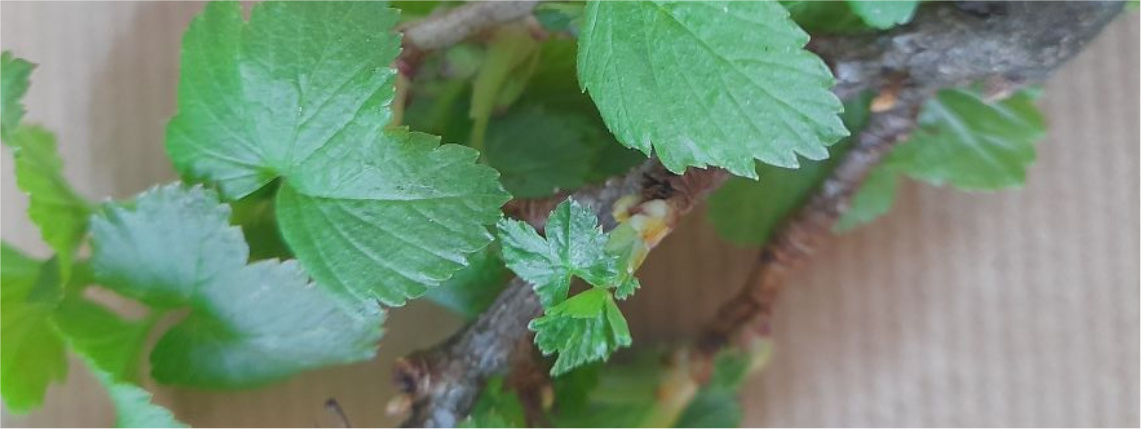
point(971, 144)
point(874, 199)
point(825, 17)
point(884, 14)
point(496, 407)
point(14, 73)
point(249, 324)
point(708, 83)
point(31, 353)
point(586, 328)
point(301, 93)
point(511, 57)
point(539, 151)
point(59, 212)
point(575, 246)
point(102, 337)
point(133, 406)
point(472, 290)
point(618, 394)
point(747, 212)
point(716, 404)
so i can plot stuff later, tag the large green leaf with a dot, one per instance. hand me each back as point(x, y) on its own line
point(708, 83)
point(302, 93)
point(31, 352)
point(539, 151)
point(14, 73)
point(972, 144)
point(249, 324)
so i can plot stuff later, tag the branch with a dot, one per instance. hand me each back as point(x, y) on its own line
point(452, 26)
point(943, 47)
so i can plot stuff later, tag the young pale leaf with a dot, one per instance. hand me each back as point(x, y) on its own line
point(14, 73)
point(249, 324)
point(884, 14)
point(59, 212)
point(372, 213)
point(586, 328)
point(575, 246)
point(747, 211)
point(31, 352)
point(971, 143)
point(874, 199)
point(133, 406)
point(708, 83)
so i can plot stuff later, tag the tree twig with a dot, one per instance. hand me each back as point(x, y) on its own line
point(943, 47)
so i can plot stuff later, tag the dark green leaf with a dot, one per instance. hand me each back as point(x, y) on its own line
point(497, 407)
point(473, 289)
point(708, 83)
point(538, 151)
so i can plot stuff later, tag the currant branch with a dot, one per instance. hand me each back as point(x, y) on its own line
point(944, 47)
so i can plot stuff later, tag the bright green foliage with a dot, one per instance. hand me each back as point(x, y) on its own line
point(497, 407)
point(747, 211)
point(586, 328)
point(539, 151)
point(59, 212)
point(708, 83)
point(31, 353)
point(249, 324)
point(575, 246)
point(474, 288)
point(14, 73)
point(105, 339)
point(716, 404)
point(884, 14)
point(302, 93)
point(874, 199)
point(972, 144)
point(133, 407)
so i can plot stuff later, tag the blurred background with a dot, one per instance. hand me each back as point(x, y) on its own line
point(1010, 309)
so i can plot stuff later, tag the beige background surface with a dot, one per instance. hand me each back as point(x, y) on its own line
point(1019, 308)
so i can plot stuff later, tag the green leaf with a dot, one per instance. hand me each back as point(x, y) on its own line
point(970, 143)
point(716, 404)
point(133, 406)
point(539, 151)
point(586, 328)
point(302, 93)
point(104, 338)
point(613, 395)
point(874, 199)
point(708, 83)
point(746, 211)
point(14, 73)
point(473, 289)
point(249, 324)
point(59, 212)
point(31, 352)
point(575, 246)
point(884, 14)
point(497, 407)
point(825, 17)
point(511, 57)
